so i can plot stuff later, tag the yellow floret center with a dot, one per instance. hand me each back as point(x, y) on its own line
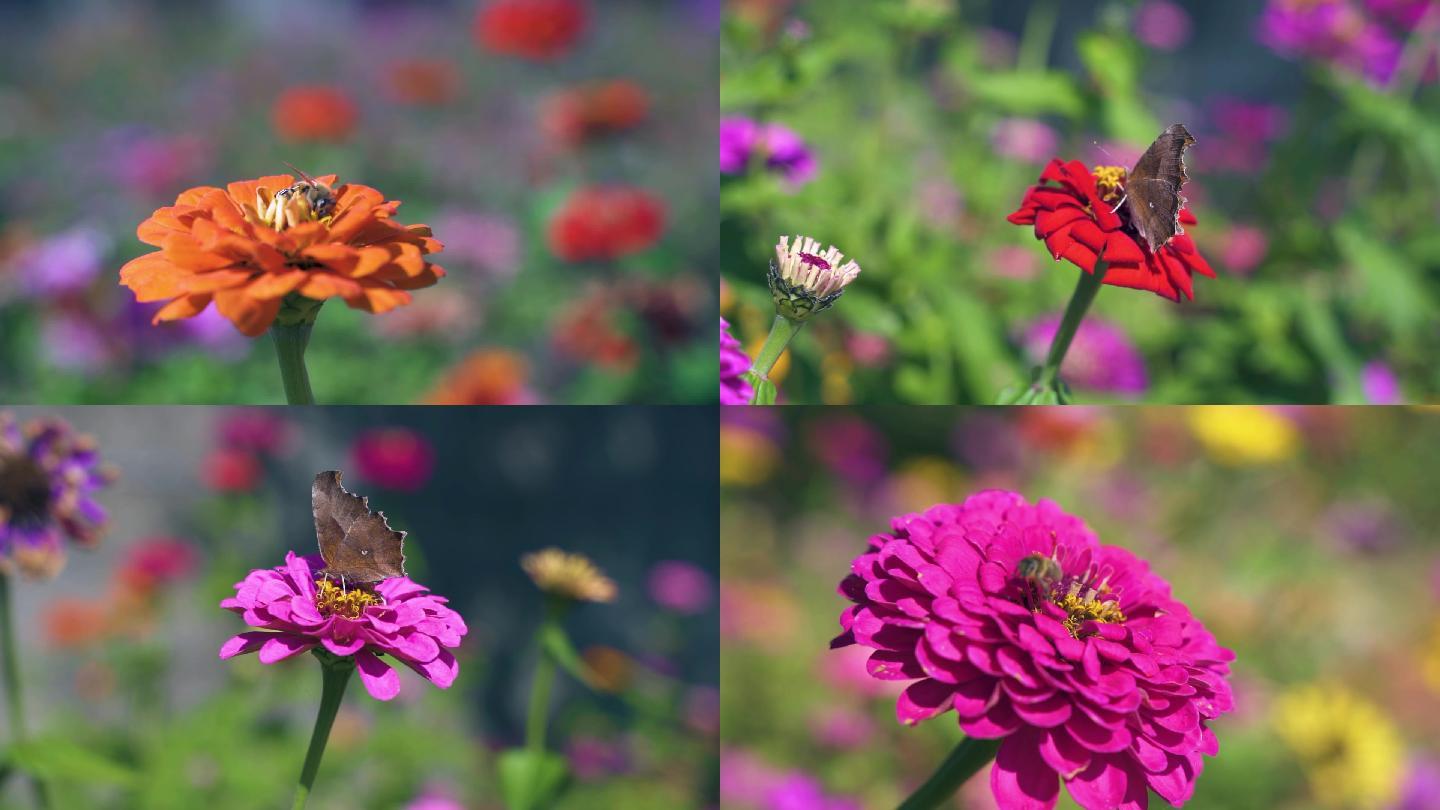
point(1110, 182)
point(1088, 608)
point(285, 209)
point(333, 600)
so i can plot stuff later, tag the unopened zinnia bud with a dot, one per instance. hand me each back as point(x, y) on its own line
point(570, 576)
point(804, 281)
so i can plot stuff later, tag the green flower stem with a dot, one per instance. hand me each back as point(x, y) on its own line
point(335, 673)
point(1085, 291)
point(14, 700)
point(781, 333)
point(539, 715)
point(290, 343)
point(967, 758)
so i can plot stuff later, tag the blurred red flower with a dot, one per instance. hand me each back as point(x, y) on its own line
point(593, 110)
point(227, 469)
point(156, 561)
point(588, 331)
point(487, 377)
point(533, 29)
point(601, 223)
point(422, 82)
point(394, 458)
point(1077, 218)
point(257, 430)
point(314, 113)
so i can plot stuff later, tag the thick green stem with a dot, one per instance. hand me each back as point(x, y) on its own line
point(781, 333)
point(336, 675)
point(539, 716)
point(290, 343)
point(967, 758)
point(1037, 35)
point(1085, 291)
point(14, 699)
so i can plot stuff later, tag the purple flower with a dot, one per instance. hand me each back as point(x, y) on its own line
point(851, 448)
point(801, 791)
point(1243, 249)
point(490, 244)
point(744, 140)
point(734, 390)
point(62, 264)
point(1380, 385)
point(1162, 25)
point(1367, 525)
point(1333, 31)
point(1024, 139)
point(49, 476)
point(1421, 790)
point(1244, 132)
point(681, 587)
point(298, 609)
point(1101, 357)
point(75, 342)
point(592, 758)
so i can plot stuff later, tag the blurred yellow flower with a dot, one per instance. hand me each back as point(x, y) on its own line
point(1430, 659)
point(923, 482)
point(1350, 751)
point(1242, 435)
point(747, 456)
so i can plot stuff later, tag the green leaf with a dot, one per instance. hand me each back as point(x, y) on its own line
point(1389, 288)
point(55, 759)
point(1030, 93)
point(530, 780)
point(556, 644)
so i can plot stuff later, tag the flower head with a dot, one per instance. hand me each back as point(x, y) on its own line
point(1014, 615)
point(49, 476)
point(569, 576)
point(298, 609)
point(680, 586)
point(1074, 211)
point(394, 457)
point(272, 247)
point(423, 82)
point(734, 390)
point(156, 562)
point(1351, 752)
point(541, 30)
point(594, 110)
point(805, 280)
point(1101, 357)
point(486, 377)
point(745, 141)
point(314, 113)
point(603, 223)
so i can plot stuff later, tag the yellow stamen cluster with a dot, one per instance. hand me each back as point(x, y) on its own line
point(1110, 182)
point(571, 576)
point(333, 600)
point(1088, 608)
point(286, 209)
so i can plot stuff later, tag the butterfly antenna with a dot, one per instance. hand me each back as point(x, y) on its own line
point(1123, 197)
point(1094, 143)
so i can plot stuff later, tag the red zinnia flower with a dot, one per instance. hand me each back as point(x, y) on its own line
point(230, 470)
point(1078, 220)
point(593, 110)
point(314, 113)
point(533, 29)
point(423, 82)
point(602, 223)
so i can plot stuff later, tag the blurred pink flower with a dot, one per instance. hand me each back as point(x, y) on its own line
point(64, 263)
point(1380, 384)
point(487, 242)
point(435, 799)
point(702, 710)
point(446, 314)
point(257, 430)
point(394, 458)
point(73, 341)
point(867, 349)
point(1075, 654)
point(1421, 789)
point(1162, 25)
point(1101, 357)
point(1243, 132)
point(1331, 31)
point(850, 448)
point(1243, 249)
point(594, 758)
point(157, 561)
point(1013, 262)
point(842, 727)
point(681, 587)
point(158, 165)
point(230, 470)
point(1024, 139)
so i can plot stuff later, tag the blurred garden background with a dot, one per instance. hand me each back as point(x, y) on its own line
point(560, 149)
point(905, 131)
point(130, 706)
point(1302, 538)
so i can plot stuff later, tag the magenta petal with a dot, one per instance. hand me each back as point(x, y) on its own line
point(243, 643)
point(382, 682)
point(1019, 779)
point(923, 700)
point(441, 671)
point(343, 648)
point(284, 645)
point(1101, 786)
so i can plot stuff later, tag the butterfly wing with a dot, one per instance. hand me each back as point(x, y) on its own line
point(1152, 190)
point(356, 543)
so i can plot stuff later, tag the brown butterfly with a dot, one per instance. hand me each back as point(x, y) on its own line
point(1152, 190)
point(358, 545)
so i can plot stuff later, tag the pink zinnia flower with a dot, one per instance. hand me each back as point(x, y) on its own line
point(298, 609)
point(394, 457)
point(1016, 617)
point(681, 587)
point(734, 390)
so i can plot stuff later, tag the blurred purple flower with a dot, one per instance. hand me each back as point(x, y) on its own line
point(1243, 249)
point(734, 390)
point(73, 341)
point(1405, 13)
point(851, 448)
point(744, 140)
point(435, 799)
point(395, 458)
point(154, 165)
point(1243, 133)
point(986, 441)
point(64, 263)
point(1365, 525)
point(262, 431)
point(800, 791)
point(1101, 357)
point(1380, 385)
point(596, 757)
point(1024, 139)
point(843, 728)
point(1333, 31)
point(702, 710)
point(489, 243)
point(1421, 790)
point(680, 587)
point(1162, 25)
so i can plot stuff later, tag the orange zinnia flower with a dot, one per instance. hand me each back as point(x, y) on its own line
point(487, 377)
point(314, 113)
point(593, 110)
point(259, 249)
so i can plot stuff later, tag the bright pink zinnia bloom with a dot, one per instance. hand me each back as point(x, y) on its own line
point(1089, 669)
point(297, 610)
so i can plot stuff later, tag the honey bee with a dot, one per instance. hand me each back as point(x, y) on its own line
point(1041, 572)
point(320, 197)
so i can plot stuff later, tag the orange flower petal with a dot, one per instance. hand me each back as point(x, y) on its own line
point(153, 277)
point(276, 285)
point(377, 298)
point(193, 196)
point(186, 306)
point(215, 280)
point(251, 316)
point(340, 258)
point(326, 285)
point(185, 252)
